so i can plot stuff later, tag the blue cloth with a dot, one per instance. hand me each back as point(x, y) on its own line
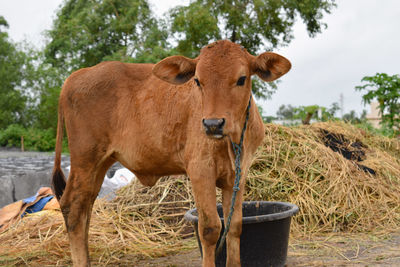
point(38, 206)
point(29, 199)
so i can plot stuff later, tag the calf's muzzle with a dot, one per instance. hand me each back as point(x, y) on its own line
point(214, 127)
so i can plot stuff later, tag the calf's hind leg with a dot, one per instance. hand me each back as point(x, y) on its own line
point(76, 204)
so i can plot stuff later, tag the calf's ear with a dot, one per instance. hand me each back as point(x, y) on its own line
point(175, 69)
point(270, 66)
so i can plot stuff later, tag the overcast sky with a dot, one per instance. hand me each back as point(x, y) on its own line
point(362, 38)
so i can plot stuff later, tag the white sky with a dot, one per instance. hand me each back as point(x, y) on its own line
point(362, 38)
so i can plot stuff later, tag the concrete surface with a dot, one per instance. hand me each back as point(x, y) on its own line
point(23, 173)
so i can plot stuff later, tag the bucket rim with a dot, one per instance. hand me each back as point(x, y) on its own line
point(293, 209)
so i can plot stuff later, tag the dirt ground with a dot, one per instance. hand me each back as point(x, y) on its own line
point(327, 250)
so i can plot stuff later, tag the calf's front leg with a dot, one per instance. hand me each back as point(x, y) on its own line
point(204, 191)
point(235, 229)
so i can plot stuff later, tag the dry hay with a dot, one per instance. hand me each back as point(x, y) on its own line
point(334, 194)
point(140, 222)
point(294, 164)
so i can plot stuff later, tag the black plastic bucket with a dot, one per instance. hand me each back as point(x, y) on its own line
point(265, 233)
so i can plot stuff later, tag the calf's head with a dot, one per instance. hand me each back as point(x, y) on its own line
point(222, 74)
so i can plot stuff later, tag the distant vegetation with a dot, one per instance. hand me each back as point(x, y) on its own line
point(315, 112)
point(306, 113)
point(381, 87)
point(292, 115)
point(386, 90)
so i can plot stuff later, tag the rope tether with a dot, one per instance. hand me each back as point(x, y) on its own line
point(237, 149)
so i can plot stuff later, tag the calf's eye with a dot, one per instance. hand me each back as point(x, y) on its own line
point(197, 81)
point(241, 81)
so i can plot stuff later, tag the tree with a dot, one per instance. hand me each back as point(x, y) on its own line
point(88, 32)
point(331, 112)
point(258, 25)
point(305, 113)
point(353, 118)
point(44, 82)
point(12, 99)
point(385, 89)
point(286, 112)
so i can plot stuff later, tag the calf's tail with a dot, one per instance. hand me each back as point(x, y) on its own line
point(58, 180)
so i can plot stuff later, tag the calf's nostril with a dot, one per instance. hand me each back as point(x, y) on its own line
point(221, 122)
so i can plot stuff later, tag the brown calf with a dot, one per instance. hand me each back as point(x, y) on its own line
point(175, 117)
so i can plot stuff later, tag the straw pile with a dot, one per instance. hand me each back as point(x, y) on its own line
point(333, 193)
point(141, 222)
point(295, 164)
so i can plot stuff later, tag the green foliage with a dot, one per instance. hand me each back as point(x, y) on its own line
point(34, 139)
point(331, 112)
point(261, 89)
point(303, 113)
point(385, 130)
point(11, 136)
point(88, 32)
point(266, 119)
point(45, 82)
point(41, 140)
point(3, 22)
point(194, 26)
point(352, 117)
point(258, 25)
point(12, 99)
point(285, 112)
point(386, 90)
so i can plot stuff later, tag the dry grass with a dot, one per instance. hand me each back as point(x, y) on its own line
point(140, 222)
point(293, 165)
point(333, 193)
